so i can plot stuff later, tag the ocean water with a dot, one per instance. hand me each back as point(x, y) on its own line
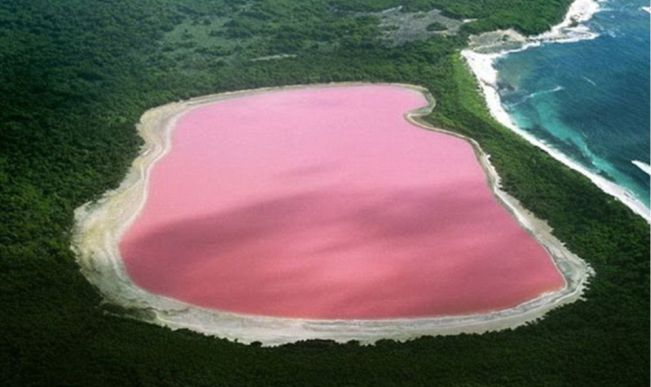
point(589, 99)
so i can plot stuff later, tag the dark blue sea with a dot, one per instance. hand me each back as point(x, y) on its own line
point(589, 99)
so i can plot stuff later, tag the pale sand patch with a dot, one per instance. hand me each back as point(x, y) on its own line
point(99, 227)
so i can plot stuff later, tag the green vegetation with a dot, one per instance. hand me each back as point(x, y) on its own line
point(77, 74)
point(529, 17)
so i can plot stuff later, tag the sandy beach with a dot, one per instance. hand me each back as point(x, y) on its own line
point(101, 225)
point(485, 49)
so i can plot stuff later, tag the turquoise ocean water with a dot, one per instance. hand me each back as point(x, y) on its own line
point(589, 99)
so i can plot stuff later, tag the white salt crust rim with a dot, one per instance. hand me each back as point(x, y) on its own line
point(100, 225)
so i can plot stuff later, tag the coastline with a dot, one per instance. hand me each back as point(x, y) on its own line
point(100, 225)
point(481, 57)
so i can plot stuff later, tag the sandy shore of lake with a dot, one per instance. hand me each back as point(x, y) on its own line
point(100, 225)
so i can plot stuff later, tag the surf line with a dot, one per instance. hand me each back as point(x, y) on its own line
point(481, 61)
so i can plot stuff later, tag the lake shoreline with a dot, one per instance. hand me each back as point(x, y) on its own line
point(100, 225)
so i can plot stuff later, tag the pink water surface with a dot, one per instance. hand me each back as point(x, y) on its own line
point(326, 203)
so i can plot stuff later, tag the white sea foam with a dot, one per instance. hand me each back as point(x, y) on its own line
point(537, 94)
point(643, 166)
point(569, 30)
point(590, 81)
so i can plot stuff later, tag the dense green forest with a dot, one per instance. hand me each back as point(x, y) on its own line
point(75, 75)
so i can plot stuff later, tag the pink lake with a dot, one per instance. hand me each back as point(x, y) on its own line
point(326, 203)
